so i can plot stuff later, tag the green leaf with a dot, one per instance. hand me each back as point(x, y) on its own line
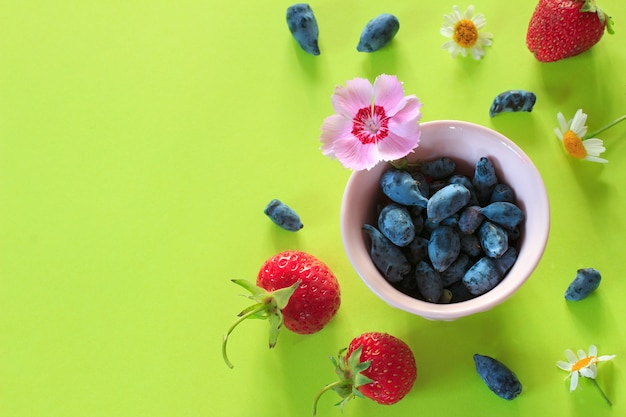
point(254, 290)
point(276, 322)
point(360, 380)
point(589, 6)
point(282, 296)
point(355, 358)
point(609, 25)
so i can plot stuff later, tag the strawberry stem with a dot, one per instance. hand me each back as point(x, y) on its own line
point(350, 375)
point(269, 306)
point(603, 128)
point(251, 312)
point(331, 386)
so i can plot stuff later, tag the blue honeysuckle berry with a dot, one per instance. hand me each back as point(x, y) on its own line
point(283, 215)
point(503, 213)
point(498, 377)
point(395, 222)
point(587, 280)
point(439, 168)
point(303, 27)
point(378, 32)
point(513, 101)
point(401, 188)
point(446, 202)
point(388, 258)
point(493, 239)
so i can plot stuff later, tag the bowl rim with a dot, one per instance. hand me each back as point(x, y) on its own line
point(530, 255)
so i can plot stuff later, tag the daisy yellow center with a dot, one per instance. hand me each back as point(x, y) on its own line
point(370, 124)
point(465, 33)
point(574, 145)
point(583, 363)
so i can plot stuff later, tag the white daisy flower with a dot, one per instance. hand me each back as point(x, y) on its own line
point(464, 30)
point(572, 134)
point(584, 365)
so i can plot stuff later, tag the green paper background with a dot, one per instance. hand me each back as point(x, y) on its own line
point(140, 141)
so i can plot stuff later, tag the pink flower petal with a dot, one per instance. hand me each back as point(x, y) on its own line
point(354, 155)
point(395, 147)
point(410, 110)
point(388, 93)
point(334, 127)
point(406, 130)
point(348, 100)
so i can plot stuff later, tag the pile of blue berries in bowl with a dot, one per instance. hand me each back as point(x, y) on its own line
point(454, 233)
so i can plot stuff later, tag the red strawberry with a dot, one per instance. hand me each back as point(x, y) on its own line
point(376, 365)
point(560, 29)
point(294, 288)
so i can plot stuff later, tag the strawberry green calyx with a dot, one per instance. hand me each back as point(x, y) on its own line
point(350, 377)
point(267, 306)
point(589, 6)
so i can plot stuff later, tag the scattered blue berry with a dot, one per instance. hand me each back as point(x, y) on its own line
point(378, 32)
point(283, 215)
point(587, 280)
point(513, 101)
point(498, 377)
point(303, 26)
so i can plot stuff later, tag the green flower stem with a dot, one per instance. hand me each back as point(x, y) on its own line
point(601, 392)
point(602, 129)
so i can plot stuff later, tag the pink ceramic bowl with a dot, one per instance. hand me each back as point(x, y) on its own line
point(466, 143)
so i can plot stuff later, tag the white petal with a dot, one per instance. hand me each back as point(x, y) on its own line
point(571, 356)
point(448, 46)
point(592, 158)
point(574, 382)
point(485, 37)
point(562, 122)
point(578, 123)
point(594, 150)
point(479, 20)
point(477, 52)
point(588, 373)
point(605, 358)
point(449, 20)
point(593, 368)
point(558, 133)
point(581, 354)
point(446, 31)
point(469, 12)
point(593, 350)
point(566, 366)
point(456, 13)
